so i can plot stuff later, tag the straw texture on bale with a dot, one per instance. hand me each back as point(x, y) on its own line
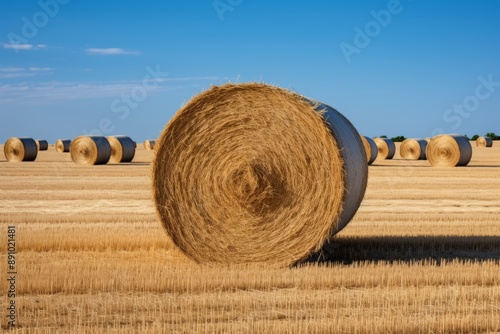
point(449, 151)
point(149, 144)
point(484, 142)
point(63, 145)
point(20, 149)
point(90, 150)
point(414, 149)
point(122, 149)
point(370, 149)
point(386, 148)
point(42, 145)
point(255, 173)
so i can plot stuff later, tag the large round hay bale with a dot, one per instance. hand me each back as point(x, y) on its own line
point(255, 173)
point(63, 145)
point(20, 149)
point(386, 148)
point(90, 150)
point(122, 149)
point(42, 145)
point(484, 142)
point(414, 149)
point(149, 144)
point(449, 151)
point(370, 149)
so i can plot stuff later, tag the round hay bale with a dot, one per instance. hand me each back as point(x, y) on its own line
point(122, 149)
point(42, 145)
point(255, 173)
point(414, 149)
point(484, 142)
point(90, 150)
point(386, 148)
point(63, 145)
point(449, 151)
point(20, 149)
point(149, 144)
point(370, 149)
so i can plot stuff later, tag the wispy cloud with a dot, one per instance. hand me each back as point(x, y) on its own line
point(41, 69)
point(11, 69)
point(24, 47)
point(60, 92)
point(110, 52)
point(20, 72)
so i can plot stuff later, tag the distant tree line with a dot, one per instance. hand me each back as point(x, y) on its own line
point(395, 139)
point(491, 135)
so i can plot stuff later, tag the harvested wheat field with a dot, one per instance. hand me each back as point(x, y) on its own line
point(421, 255)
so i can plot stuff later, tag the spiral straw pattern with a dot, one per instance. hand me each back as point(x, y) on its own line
point(413, 149)
point(63, 145)
point(449, 151)
point(20, 149)
point(90, 150)
point(386, 148)
point(122, 149)
point(484, 142)
point(371, 149)
point(255, 173)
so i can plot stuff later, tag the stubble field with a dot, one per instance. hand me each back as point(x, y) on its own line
point(422, 255)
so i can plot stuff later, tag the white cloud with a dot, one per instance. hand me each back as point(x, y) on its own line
point(41, 69)
point(18, 46)
point(19, 72)
point(24, 47)
point(110, 51)
point(59, 92)
point(11, 69)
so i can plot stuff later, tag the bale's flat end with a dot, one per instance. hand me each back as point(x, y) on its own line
point(254, 173)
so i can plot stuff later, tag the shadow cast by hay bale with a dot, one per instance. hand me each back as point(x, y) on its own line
point(436, 249)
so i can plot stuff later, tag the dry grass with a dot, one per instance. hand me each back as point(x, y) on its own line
point(422, 255)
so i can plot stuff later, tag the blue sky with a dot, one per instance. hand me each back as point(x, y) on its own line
point(410, 67)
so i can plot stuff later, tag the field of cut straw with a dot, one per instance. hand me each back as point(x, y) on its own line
point(421, 256)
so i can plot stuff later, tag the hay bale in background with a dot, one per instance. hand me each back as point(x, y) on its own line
point(484, 142)
point(449, 151)
point(20, 149)
point(90, 150)
point(371, 149)
point(122, 149)
point(42, 145)
point(414, 149)
point(386, 148)
point(234, 182)
point(149, 144)
point(63, 145)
